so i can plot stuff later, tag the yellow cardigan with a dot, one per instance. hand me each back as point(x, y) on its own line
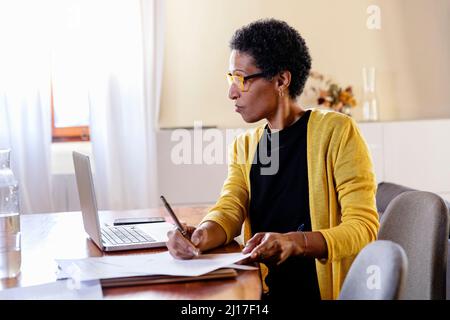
point(341, 193)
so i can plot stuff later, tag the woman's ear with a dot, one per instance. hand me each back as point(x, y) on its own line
point(284, 80)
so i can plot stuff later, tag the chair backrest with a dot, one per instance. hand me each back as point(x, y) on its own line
point(377, 273)
point(386, 192)
point(418, 222)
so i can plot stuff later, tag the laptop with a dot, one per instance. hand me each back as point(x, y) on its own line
point(112, 238)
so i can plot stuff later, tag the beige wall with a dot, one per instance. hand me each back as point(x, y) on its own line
point(411, 53)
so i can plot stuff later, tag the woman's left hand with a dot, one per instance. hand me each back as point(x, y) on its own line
point(273, 248)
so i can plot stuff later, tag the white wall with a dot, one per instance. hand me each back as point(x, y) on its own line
point(411, 53)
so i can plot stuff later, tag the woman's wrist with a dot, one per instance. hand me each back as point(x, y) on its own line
point(215, 235)
point(299, 243)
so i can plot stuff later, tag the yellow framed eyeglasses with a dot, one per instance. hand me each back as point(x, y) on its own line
point(241, 82)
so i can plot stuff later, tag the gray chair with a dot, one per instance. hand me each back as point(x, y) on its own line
point(387, 191)
point(448, 271)
point(378, 273)
point(418, 222)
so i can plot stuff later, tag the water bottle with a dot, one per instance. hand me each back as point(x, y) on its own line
point(10, 253)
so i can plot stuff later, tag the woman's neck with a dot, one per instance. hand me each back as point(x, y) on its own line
point(286, 114)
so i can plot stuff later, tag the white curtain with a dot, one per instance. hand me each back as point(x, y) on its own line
point(125, 66)
point(25, 115)
point(116, 47)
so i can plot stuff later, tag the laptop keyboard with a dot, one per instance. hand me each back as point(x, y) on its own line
point(125, 235)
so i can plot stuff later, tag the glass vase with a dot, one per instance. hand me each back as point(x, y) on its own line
point(370, 105)
point(347, 110)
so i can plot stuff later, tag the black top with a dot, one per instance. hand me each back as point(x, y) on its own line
point(280, 203)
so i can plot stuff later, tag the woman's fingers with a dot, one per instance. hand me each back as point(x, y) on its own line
point(189, 229)
point(198, 237)
point(263, 250)
point(271, 249)
point(253, 242)
point(180, 247)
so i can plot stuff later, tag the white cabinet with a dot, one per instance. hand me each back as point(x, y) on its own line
point(195, 181)
point(373, 133)
point(412, 153)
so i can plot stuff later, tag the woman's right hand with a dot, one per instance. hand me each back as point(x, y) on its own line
point(181, 247)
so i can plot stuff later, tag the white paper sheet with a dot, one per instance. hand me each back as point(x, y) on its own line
point(145, 264)
point(59, 290)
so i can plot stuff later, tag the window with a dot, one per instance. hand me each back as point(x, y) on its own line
point(69, 98)
point(69, 122)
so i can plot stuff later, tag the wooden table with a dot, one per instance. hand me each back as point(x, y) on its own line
point(46, 237)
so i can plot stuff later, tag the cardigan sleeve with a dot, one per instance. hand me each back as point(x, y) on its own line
point(230, 209)
point(356, 189)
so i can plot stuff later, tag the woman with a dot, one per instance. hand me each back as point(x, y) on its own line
point(310, 209)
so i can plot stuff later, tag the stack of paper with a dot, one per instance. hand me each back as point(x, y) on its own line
point(157, 264)
point(155, 279)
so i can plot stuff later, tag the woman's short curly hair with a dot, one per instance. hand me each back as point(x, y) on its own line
point(275, 46)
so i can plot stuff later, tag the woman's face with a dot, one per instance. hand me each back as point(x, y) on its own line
point(261, 98)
